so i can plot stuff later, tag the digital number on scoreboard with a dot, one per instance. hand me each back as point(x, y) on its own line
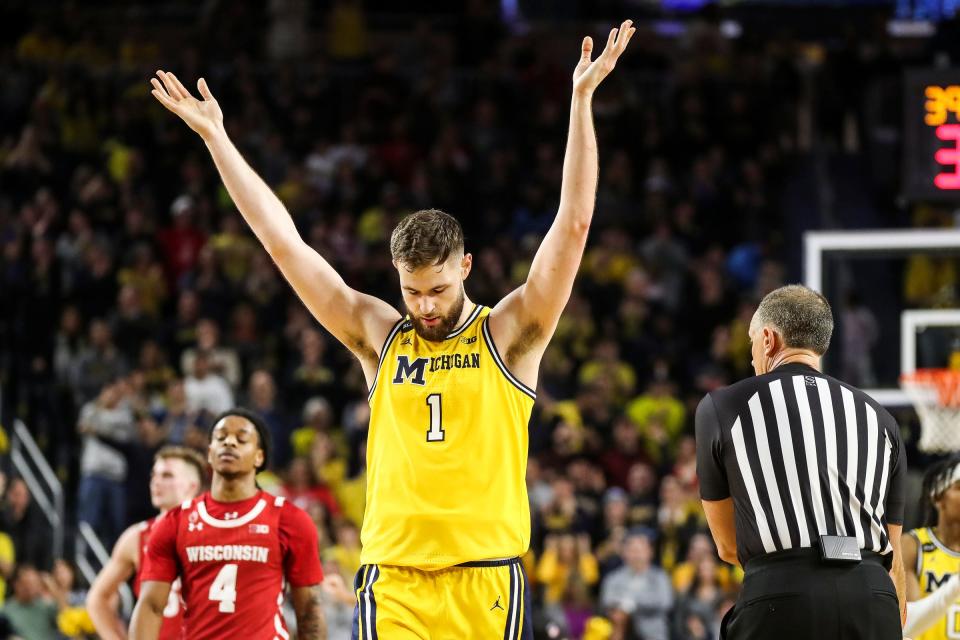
point(931, 159)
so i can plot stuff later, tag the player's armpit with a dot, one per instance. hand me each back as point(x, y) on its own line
point(520, 336)
point(148, 614)
point(308, 604)
point(359, 321)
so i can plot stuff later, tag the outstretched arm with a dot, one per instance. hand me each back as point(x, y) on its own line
point(102, 597)
point(524, 321)
point(359, 321)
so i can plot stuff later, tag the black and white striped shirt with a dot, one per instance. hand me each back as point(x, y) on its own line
point(802, 454)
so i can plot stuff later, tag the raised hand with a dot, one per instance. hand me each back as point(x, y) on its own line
point(590, 73)
point(203, 116)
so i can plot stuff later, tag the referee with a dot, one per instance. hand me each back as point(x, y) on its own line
point(802, 480)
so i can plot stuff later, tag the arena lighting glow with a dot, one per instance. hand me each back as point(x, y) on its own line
point(926, 9)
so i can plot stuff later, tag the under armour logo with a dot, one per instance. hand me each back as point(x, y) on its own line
point(496, 605)
point(230, 516)
point(198, 526)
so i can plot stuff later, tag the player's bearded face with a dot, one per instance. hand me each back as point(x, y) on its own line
point(437, 325)
point(434, 298)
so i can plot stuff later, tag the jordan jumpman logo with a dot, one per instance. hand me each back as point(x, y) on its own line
point(496, 605)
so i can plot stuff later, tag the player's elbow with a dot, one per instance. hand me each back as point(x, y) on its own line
point(579, 227)
point(150, 605)
point(282, 247)
point(574, 219)
point(96, 601)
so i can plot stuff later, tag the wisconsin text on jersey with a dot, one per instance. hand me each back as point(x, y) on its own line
point(227, 552)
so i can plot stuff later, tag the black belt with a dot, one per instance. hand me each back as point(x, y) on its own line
point(806, 557)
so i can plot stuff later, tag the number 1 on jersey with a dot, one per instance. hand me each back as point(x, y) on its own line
point(224, 588)
point(436, 432)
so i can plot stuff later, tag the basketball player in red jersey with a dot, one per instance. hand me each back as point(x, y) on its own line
point(177, 475)
point(232, 548)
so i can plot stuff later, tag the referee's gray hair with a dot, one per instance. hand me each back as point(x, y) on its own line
point(800, 315)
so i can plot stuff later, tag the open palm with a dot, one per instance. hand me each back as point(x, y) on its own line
point(590, 73)
point(203, 116)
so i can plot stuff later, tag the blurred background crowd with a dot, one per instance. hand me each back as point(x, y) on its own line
point(136, 304)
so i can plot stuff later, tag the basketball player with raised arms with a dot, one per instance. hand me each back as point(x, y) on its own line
point(932, 558)
point(451, 384)
point(233, 548)
point(177, 475)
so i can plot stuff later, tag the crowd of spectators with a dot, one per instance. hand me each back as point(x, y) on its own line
point(138, 305)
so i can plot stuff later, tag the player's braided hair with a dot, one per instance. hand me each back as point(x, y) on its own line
point(935, 481)
point(263, 431)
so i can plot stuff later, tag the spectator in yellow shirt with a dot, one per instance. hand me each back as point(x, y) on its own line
point(606, 362)
point(700, 547)
point(346, 552)
point(8, 560)
point(567, 567)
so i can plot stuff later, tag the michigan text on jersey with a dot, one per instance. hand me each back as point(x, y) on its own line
point(415, 370)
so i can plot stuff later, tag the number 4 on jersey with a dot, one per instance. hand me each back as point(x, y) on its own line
point(436, 432)
point(224, 588)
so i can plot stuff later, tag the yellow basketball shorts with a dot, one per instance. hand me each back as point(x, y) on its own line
point(486, 600)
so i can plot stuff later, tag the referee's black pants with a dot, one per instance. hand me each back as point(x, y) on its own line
point(794, 595)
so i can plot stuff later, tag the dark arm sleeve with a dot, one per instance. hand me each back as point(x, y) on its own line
point(896, 493)
point(710, 470)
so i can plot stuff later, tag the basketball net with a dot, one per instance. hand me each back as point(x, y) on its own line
point(935, 393)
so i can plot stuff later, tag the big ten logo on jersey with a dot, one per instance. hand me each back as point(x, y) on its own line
point(415, 372)
point(193, 522)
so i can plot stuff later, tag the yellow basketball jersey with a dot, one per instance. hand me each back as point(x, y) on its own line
point(936, 563)
point(446, 452)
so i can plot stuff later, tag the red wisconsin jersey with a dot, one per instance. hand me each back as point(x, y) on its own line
point(232, 558)
point(173, 613)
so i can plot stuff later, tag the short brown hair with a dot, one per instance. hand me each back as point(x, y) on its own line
point(190, 456)
point(801, 315)
point(426, 238)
